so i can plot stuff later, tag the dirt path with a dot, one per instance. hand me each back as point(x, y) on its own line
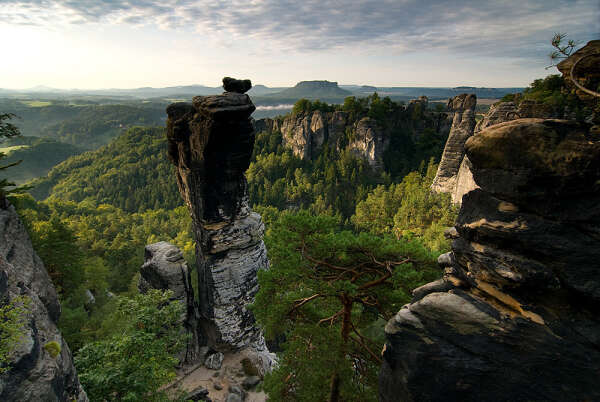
point(231, 373)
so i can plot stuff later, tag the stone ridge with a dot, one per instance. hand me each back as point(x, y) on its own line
point(515, 317)
point(210, 143)
point(307, 133)
point(35, 374)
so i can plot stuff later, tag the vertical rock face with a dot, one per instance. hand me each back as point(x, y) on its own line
point(369, 142)
point(210, 143)
point(516, 316)
point(306, 133)
point(35, 375)
point(165, 269)
point(453, 176)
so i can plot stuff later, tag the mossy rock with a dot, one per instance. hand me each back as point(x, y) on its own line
point(53, 349)
point(249, 368)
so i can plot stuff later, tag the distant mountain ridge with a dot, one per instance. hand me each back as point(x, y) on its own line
point(317, 89)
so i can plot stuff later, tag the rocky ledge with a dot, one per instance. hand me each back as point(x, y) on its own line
point(41, 368)
point(516, 315)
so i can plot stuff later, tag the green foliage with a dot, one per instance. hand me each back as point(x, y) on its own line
point(53, 349)
point(96, 248)
point(8, 130)
point(553, 93)
point(305, 106)
point(408, 209)
point(328, 292)
point(131, 173)
point(138, 360)
point(14, 316)
point(38, 158)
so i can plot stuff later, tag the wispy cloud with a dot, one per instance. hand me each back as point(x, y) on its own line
point(500, 27)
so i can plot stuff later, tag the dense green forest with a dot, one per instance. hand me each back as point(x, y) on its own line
point(38, 156)
point(86, 125)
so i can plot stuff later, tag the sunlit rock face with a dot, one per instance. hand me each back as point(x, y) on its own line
point(210, 143)
point(35, 374)
point(515, 317)
point(453, 176)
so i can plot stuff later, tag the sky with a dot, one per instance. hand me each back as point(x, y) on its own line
point(91, 44)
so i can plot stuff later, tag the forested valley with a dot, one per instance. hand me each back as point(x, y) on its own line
point(91, 215)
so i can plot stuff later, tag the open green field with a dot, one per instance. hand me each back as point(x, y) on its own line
point(6, 150)
point(35, 103)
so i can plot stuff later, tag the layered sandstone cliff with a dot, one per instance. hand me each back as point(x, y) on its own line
point(210, 143)
point(37, 371)
point(515, 317)
point(306, 133)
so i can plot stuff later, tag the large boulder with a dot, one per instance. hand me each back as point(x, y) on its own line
point(515, 316)
point(41, 368)
point(164, 268)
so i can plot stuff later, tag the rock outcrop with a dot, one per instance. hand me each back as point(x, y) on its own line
point(369, 141)
point(453, 175)
point(306, 133)
point(37, 371)
point(210, 143)
point(164, 268)
point(515, 317)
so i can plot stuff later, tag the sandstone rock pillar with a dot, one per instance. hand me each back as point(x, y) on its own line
point(463, 124)
point(210, 143)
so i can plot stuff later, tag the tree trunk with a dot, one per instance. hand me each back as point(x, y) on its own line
point(334, 395)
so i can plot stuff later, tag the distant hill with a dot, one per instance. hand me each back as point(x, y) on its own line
point(37, 156)
point(313, 90)
point(131, 173)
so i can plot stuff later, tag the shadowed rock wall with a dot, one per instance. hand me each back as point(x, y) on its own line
point(35, 374)
point(516, 315)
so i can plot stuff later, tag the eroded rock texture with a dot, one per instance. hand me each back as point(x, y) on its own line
point(453, 175)
point(307, 133)
point(210, 143)
point(516, 315)
point(35, 375)
point(165, 269)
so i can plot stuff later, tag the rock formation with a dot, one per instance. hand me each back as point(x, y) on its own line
point(306, 133)
point(165, 269)
point(454, 174)
point(210, 143)
point(369, 141)
point(35, 374)
point(515, 317)
point(448, 179)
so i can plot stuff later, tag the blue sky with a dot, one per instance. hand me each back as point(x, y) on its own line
point(127, 44)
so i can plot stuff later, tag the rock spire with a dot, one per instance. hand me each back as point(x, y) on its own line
point(210, 144)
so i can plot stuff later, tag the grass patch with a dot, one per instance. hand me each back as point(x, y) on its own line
point(7, 150)
point(35, 103)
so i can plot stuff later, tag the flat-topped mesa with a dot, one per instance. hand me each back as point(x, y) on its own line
point(210, 143)
point(447, 179)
